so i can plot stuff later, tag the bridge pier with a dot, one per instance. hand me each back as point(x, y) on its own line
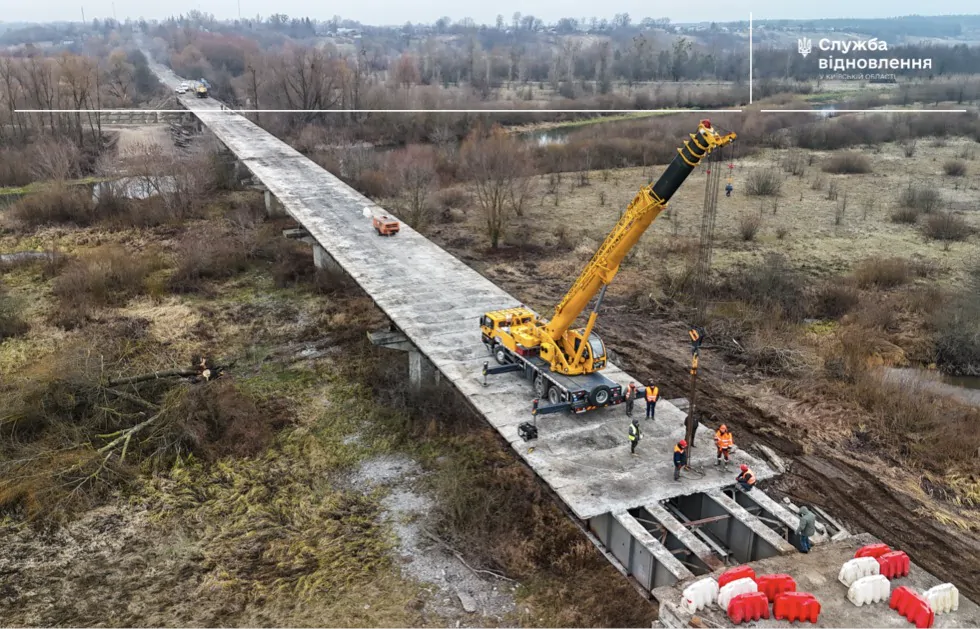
point(274, 209)
point(322, 259)
point(421, 371)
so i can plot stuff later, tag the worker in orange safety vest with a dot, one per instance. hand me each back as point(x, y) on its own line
point(724, 443)
point(680, 458)
point(746, 480)
point(652, 394)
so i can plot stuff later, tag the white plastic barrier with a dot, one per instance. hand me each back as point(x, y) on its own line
point(871, 589)
point(700, 594)
point(943, 598)
point(854, 569)
point(733, 589)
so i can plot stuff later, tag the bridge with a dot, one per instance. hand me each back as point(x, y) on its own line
point(657, 532)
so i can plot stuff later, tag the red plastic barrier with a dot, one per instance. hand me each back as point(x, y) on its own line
point(741, 572)
point(913, 606)
point(793, 606)
point(775, 584)
point(873, 550)
point(746, 607)
point(894, 564)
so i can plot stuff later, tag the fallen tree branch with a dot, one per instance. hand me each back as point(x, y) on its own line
point(132, 398)
point(156, 375)
point(475, 571)
point(125, 435)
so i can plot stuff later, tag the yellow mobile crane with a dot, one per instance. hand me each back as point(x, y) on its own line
point(563, 362)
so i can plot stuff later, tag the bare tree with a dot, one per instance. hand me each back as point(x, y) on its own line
point(415, 172)
point(494, 165)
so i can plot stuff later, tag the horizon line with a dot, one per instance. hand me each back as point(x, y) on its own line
point(339, 111)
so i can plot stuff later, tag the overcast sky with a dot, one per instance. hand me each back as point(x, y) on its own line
point(399, 11)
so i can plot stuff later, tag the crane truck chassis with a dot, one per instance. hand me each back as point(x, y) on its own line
point(562, 362)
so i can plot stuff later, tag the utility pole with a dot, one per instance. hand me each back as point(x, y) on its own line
point(83, 15)
point(239, 10)
point(114, 19)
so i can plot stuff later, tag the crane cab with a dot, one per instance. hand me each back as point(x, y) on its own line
point(510, 330)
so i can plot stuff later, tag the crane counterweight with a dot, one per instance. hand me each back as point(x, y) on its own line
point(552, 352)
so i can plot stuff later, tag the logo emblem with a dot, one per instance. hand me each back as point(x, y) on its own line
point(804, 45)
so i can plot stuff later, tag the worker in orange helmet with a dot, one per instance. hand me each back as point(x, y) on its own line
point(680, 458)
point(746, 480)
point(724, 443)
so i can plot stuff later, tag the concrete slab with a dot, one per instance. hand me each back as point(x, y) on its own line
point(435, 300)
point(816, 573)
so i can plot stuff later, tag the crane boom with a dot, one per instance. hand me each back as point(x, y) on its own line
point(519, 340)
point(649, 202)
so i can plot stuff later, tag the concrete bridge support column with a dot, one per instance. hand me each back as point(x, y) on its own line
point(274, 209)
point(421, 372)
point(322, 259)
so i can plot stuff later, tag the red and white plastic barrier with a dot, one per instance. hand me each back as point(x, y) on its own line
point(943, 598)
point(734, 574)
point(894, 564)
point(793, 606)
point(913, 607)
point(775, 584)
point(700, 594)
point(748, 607)
point(854, 569)
point(871, 589)
point(872, 550)
point(733, 589)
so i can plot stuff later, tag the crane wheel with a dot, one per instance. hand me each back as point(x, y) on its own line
point(599, 396)
point(500, 355)
point(554, 395)
point(540, 386)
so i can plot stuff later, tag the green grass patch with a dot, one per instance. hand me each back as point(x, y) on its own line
point(37, 186)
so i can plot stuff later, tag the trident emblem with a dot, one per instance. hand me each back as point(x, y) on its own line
point(804, 45)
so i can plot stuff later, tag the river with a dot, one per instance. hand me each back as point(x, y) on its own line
point(963, 388)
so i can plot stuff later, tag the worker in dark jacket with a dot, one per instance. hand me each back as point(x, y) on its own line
point(634, 435)
point(631, 394)
point(806, 529)
point(680, 458)
point(745, 480)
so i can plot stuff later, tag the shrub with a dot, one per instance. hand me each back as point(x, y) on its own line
point(882, 272)
point(848, 163)
point(764, 183)
point(54, 205)
point(11, 323)
point(107, 277)
point(946, 226)
point(905, 215)
point(954, 168)
point(207, 257)
point(372, 183)
point(770, 284)
point(920, 198)
point(834, 300)
point(452, 198)
point(958, 329)
point(748, 226)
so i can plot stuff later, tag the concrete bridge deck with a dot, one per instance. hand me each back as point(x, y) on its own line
point(435, 300)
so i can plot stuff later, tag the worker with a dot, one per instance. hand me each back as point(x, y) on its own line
point(724, 443)
point(634, 435)
point(728, 189)
point(745, 480)
point(631, 394)
point(653, 394)
point(680, 458)
point(806, 529)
